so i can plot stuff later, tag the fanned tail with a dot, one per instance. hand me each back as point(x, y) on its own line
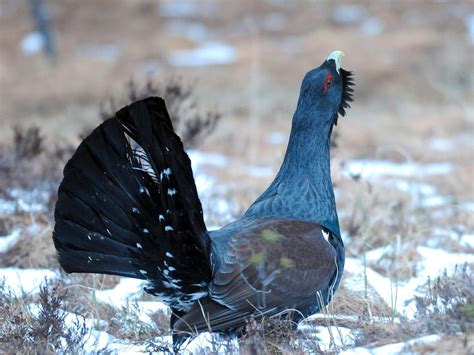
point(128, 206)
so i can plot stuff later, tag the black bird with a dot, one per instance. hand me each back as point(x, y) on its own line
point(128, 206)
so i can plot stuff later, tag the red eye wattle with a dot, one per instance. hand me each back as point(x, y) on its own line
point(327, 83)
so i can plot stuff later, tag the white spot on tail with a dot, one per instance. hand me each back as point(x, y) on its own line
point(143, 272)
point(166, 172)
point(172, 192)
point(145, 230)
point(169, 228)
point(169, 255)
point(89, 237)
point(135, 210)
point(170, 268)
point(161, 218)
point(139, 246)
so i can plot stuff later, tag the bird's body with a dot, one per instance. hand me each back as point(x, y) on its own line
point(128, 206)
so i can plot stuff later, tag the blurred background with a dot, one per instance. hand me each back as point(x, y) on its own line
point(403, 157)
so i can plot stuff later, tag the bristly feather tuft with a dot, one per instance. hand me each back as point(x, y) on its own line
point(347, 92)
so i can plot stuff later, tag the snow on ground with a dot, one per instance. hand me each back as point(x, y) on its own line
point(422, 194)
point(334, 337)
point(24, 201)
point(399, 297)
point(32, 43)
point(260, 171)
point(25, 281)
point(100, 341)
point(211, 343)
point(121, 295)
point(200, 159)
point(8, 241)
point(396, 348)
point(72, 319)
point(371, 169)
point(126, 292)
point(209, 53)
point(276, 137)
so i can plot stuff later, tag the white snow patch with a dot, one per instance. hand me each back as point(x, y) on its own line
point(25, 281)
point(7, 208)
point(370, 169)
point(97, 341)
point(441, 144)
point(398, 296)
point(32, 43)
point(467, 240)
point(421, 194)
point(199, 159)
point(147, 309)
point(276, 138)
point(378, 253)
point(467, 207)
point(436, 201)
point(396, 348)
point(209, 53)
point(338, 337)
point(469, 22)
point(260, 171)
point(20, 200)
point(436, 260)
point(8, 241)
point(209, 343)
point(119, 296)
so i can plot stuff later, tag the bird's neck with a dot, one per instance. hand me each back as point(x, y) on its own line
point(303, 188)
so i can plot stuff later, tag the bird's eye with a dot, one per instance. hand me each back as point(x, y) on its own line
point(327, 83)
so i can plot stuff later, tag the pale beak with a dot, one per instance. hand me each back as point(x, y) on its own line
point(337, 57)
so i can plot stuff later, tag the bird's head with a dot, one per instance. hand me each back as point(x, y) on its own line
point(326, 92)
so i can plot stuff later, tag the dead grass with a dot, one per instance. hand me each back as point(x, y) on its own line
point(34, 251)
point(448, 344)
point(43, 331)
point(448, 303)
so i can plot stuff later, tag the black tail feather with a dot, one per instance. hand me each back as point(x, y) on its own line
point(128, 206)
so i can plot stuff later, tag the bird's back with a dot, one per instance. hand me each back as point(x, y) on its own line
point(262, 267)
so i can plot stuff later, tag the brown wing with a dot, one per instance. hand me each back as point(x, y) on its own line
point(272, 266)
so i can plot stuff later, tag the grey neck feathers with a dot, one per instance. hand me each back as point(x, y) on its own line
point(302, 189)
